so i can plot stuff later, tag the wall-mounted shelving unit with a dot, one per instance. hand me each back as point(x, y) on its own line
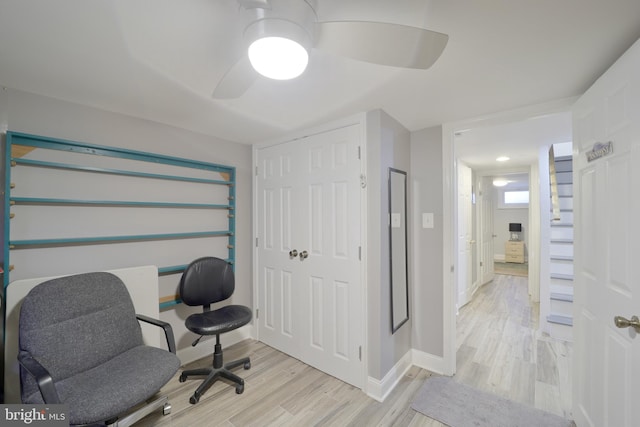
point(72, 206)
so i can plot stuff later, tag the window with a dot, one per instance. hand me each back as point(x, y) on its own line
point(513, 199)
point(516, 197)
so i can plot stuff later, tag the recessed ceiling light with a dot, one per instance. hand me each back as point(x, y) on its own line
point(502, 159)
point(500, 182)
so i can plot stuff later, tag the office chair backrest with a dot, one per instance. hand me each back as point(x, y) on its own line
point(75, 323)
point(206, 281)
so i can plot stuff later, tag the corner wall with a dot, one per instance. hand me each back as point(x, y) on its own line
point(388, 145)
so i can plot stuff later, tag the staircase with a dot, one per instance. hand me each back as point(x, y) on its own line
point(560, 318)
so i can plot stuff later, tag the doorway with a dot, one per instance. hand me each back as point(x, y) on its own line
point(527, 130)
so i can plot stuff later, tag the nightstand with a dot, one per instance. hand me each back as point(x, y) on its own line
point(514, 251)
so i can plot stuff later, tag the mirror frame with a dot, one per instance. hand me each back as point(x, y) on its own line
point(398, 264)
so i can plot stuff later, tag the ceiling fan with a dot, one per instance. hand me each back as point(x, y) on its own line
point(279, 34)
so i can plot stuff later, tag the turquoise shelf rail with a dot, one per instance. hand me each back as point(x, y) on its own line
point(13, 139)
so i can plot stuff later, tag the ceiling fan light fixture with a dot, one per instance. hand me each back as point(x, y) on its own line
point(278, 58)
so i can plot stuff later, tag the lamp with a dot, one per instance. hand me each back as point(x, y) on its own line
point(279, 43)
point(278, 58)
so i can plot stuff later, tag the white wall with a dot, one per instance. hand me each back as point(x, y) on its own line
point(24, 112)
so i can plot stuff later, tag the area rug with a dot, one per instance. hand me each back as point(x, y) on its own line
point(459, 405)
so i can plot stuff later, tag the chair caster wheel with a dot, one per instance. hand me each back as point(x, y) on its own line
point(166, 409)
point(239, 389)
point(194, 399)
point(182, 378)
point(247, 365)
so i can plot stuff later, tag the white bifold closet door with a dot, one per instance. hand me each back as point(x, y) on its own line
point(308, 219)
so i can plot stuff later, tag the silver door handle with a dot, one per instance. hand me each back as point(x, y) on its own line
point(304, 254)
point(621, 322)
point(293, 253)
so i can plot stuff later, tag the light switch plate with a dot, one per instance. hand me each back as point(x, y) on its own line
point(396, 221)
point(427, 220)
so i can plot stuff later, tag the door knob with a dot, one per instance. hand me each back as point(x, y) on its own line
point(304, 254)
point(634, 322)
point(293, 253)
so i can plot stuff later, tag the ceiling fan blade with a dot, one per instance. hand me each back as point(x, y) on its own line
point(236, 81)
point(381, 43)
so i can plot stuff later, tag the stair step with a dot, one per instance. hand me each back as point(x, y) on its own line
point(560, 296)
point(561, 287)
point(563, 241)
point(563, 166)
point(561, 276)
point(563, 158)
point(564, 177)
point(560, 319)
point(561, 258)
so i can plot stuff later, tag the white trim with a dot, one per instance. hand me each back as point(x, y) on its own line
point(205, 347)
point(431, 363)
point(364, 246)
point(380, 389)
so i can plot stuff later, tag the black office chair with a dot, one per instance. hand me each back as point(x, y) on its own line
point(81, 345)
point(206, 281)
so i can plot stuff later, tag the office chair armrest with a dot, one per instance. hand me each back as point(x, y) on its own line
point(42, 377)
point(168, 330)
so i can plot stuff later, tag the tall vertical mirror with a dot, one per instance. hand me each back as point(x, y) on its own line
point(398, 248)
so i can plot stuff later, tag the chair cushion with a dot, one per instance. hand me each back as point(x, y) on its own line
point(115, 386)
point(214, 322)
point(75, 323)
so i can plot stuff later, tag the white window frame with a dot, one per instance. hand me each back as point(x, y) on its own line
point(503, 205)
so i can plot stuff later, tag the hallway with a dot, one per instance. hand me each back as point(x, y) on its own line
point(500, 350)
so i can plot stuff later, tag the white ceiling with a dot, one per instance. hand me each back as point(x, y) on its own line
point(161, 60)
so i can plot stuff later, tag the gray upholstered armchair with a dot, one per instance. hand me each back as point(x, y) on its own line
point(81, 345)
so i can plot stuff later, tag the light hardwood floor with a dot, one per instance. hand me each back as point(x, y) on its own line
point(498, 352)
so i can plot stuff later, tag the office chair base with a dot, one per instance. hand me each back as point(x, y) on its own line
point(213, 374)
point(132, 418)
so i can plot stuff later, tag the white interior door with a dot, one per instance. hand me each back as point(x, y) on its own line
point(309, 285)
point(464, 234)
point(487, 272)
point(607, 248)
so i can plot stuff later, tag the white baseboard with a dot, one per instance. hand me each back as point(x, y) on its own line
point(428, 361)
point(205, 348)
point(380, 389)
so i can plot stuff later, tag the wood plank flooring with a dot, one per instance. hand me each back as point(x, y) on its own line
point(499, 351)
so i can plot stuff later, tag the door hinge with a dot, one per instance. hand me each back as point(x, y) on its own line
point(359, 253)
point(480, 263)
point(360, 353)
point(256, 170)
point(452, 268)
point(359, 153)
point(257, 313)
point(256, 242)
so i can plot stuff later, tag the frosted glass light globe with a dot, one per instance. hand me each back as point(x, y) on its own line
point(278, 58)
